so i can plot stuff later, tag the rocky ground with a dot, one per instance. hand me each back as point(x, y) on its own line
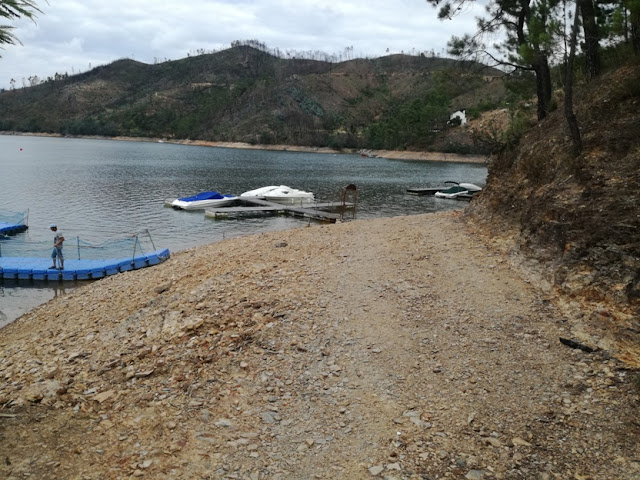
point(402, 348)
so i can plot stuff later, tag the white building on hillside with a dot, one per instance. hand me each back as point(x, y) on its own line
point(461, 114)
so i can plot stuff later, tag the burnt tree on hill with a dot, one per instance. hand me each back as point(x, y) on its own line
point(591, 37)
point(634, 20)
point(572, 122)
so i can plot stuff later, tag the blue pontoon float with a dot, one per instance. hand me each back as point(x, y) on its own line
point(24, 268)
point(31, 261)
point(13, 222)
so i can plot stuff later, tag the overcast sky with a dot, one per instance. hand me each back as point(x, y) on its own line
point(72, 36)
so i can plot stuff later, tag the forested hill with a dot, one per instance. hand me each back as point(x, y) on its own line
point(248, 95)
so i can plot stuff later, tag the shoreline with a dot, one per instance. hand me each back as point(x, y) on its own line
point(388, 154)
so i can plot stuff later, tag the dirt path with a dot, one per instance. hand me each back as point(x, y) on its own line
point(393, 348)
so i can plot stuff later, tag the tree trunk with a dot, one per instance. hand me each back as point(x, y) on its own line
point(543, 85)
point(635, 30)
point(591, 37)
point(539, 63)
point(576, 140)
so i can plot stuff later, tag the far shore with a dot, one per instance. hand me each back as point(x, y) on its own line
point(389, 154)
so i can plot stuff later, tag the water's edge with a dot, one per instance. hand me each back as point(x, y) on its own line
point(388, 154)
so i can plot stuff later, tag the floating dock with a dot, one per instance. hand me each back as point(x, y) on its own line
point(22, 268)
point(11, 228)
point(424, 191)
point(316, 211)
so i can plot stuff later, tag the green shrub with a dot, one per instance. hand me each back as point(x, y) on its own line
point(520, 124)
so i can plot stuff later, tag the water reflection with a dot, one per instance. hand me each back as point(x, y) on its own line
point(17, 297)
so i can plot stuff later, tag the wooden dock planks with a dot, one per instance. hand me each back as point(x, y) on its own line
point(307, 210)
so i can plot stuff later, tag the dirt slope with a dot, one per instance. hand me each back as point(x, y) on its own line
point(575, 220)
point(394, 348)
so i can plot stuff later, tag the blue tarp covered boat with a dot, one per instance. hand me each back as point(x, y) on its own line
point(203, 200)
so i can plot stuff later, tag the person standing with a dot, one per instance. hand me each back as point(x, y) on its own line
point(58, 240)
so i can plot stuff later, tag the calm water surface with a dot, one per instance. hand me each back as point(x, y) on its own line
point(103, 190)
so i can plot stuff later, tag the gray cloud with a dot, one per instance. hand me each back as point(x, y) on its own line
point(73, 36)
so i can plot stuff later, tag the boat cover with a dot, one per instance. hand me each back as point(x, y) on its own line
point(203, 196)
point(260, 192)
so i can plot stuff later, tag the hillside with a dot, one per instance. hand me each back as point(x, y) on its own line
point(243, 94)
point(575, 221)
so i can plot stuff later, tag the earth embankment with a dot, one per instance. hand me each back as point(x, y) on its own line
point(399, 348)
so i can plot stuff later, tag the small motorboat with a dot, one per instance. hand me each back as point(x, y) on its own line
point(471, 187)
point(460, 190)
point(259, 192)
point(281, 194)
point(203, 200)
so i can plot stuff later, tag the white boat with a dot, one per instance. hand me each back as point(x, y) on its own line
point(471, 187)
point(259, 192)
point(461, 190)
point(203, 200)
point(290, 196)
point(281, 194)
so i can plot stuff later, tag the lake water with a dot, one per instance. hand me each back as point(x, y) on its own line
point(102, 190)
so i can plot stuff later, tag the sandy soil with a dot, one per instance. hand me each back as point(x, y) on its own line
point(400, 348)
